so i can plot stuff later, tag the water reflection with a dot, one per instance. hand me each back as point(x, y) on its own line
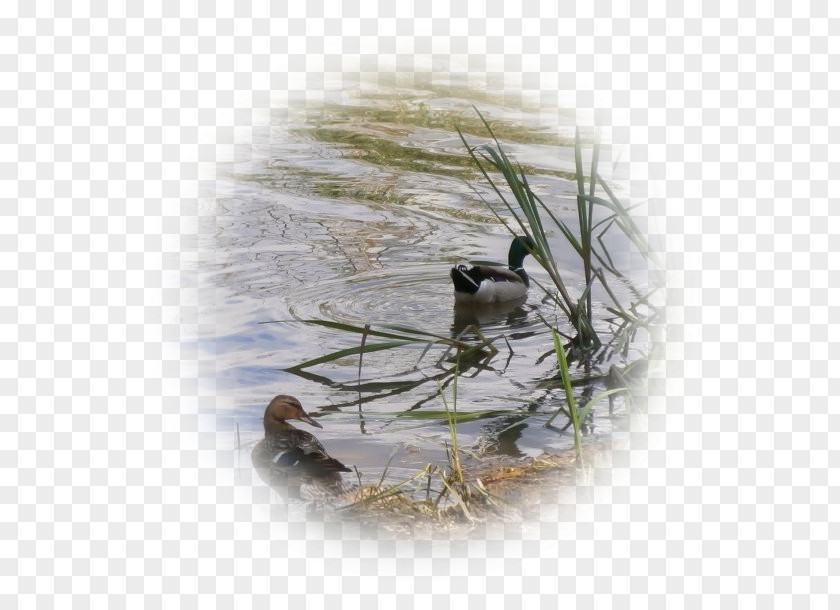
point(354, 212)
point(510, 314)
point(504, 434)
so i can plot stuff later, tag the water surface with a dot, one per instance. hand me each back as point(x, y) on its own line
point(353, 210)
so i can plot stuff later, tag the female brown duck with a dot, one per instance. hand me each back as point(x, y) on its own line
point(289, 451)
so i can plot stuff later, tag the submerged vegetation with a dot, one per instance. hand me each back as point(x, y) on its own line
point(571, 329)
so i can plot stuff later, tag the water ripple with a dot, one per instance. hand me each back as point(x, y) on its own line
point(419, 296)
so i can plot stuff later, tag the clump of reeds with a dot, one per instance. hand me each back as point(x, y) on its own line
point(527, 213)
point(576, 415)
point(598, 211)
point(531, 216)
point(456, 487)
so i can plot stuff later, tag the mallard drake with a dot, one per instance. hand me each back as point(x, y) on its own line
point(287, 449)
point(485, 284)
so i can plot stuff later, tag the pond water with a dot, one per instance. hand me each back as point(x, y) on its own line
point(353, 210)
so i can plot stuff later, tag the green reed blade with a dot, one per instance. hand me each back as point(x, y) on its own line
point(458, 416)
point(361, 330)
point(350, 351)
point(588, 406)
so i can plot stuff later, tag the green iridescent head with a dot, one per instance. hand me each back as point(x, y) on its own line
point(520, 248)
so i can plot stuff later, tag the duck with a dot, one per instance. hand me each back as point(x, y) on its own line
point(286, 450)
point(486, 284)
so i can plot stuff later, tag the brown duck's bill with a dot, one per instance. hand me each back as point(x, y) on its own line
point(309, 420)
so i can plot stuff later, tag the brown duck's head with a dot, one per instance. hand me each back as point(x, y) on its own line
point(280, 409)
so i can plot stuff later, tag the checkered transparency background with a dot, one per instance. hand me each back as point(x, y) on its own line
point(111, 118)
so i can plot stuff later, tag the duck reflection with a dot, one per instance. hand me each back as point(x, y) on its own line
point(509, 314)
point(291, 461)
point(503, 436)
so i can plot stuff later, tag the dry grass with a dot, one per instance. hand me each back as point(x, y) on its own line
point(510, 491)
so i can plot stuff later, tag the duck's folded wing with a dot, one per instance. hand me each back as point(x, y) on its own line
point(311, 461)
point(308, 453)
point(306, 442)
point(499, 274)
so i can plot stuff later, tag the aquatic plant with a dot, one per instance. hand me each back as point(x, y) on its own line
point(522, 212)
point(575, 415)
point(529, 221)
point(461, 491)
point(527, 212)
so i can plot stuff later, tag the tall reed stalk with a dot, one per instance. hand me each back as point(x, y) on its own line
point(527, 212)
point(575, 414)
